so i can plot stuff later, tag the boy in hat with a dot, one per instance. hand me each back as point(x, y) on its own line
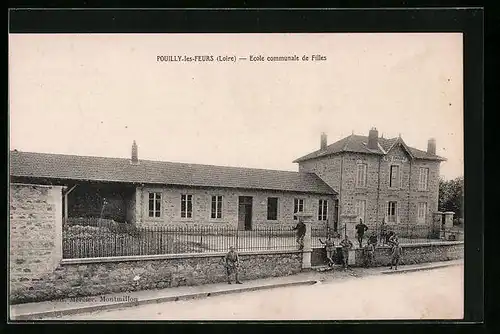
point(395, 252)
point(330, 248)
point(346, 245)
point(232, 262)
point(369, 254)
point(301, 232)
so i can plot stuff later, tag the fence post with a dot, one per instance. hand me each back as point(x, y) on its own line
point(269, 238)
point(237, 246)
point(201, 236)
point(306, 252)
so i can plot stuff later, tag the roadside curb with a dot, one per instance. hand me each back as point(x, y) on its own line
point(198, 295)
point(422, 268)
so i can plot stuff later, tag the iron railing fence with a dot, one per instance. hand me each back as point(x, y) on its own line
point(86, 238)
point(411, 234)
point(126, 240)
point(321, 232)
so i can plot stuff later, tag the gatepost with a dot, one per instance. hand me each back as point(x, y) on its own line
point(307, 250)
point(437, 223)
point(448, 219)
point(349, 228)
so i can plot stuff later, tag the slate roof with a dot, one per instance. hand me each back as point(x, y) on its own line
point(81, 168)
point(357, 144)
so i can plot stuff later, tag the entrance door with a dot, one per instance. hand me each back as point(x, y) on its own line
point(245, 213)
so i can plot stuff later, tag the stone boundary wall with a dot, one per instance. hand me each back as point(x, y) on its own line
point(98, 276)
point(411, 254)
point(35, 239)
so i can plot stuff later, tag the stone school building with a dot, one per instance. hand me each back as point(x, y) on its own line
point(370, 177)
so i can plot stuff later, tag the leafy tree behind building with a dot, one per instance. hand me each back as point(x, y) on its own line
point(451, 197)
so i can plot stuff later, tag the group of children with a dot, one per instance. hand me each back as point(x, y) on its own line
point(369, 250)
point(231, 260)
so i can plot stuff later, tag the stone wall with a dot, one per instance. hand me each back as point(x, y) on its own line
point(419, 253)
point(318, 256)
point(35, 233)
point(201, 213)
point(78, 278)
point(411, 254)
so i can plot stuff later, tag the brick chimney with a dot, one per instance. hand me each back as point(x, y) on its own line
point(323, 141)
point(373, 139)
point(431, 146)
point(135, 158)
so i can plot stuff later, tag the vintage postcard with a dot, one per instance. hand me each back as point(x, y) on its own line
point(236, 176)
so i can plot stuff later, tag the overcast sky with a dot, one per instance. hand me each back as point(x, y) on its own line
point(95, 94)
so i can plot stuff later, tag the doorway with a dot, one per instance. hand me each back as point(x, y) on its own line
point(245, 213)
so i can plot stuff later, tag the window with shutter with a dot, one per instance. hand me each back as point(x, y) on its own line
point(323, 209)
point(298, 206)
point(392, 211)
point(216, 211)
point(394, 177)
point(422, 212)
point(361, 175)
point(186, 206)
point(423, 178)
point(154, 204)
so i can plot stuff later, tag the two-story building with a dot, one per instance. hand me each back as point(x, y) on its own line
point(378, 178)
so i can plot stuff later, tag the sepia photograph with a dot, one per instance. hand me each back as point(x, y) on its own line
point(252, 176)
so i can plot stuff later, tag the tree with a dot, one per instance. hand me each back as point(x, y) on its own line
point(451, 196)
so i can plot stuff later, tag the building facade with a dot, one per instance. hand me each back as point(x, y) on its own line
point(147, 192)
point(374, 178)
point(244, 208)
point(379, 179)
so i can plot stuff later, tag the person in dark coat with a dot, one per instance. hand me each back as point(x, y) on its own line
point(360, 232)
point(301, 232)
point(346, 245)
point(232, 262)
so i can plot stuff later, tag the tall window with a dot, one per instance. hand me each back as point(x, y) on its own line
point(154, 205)
point(186, 206)
point(394, 181)
point(392, 211)
point(421, 212)
point(272, 208)
point(323, 209)
point(216, 207)
point(423, 178)
point(360, 175)
point(360, 208)
point(298, 206)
